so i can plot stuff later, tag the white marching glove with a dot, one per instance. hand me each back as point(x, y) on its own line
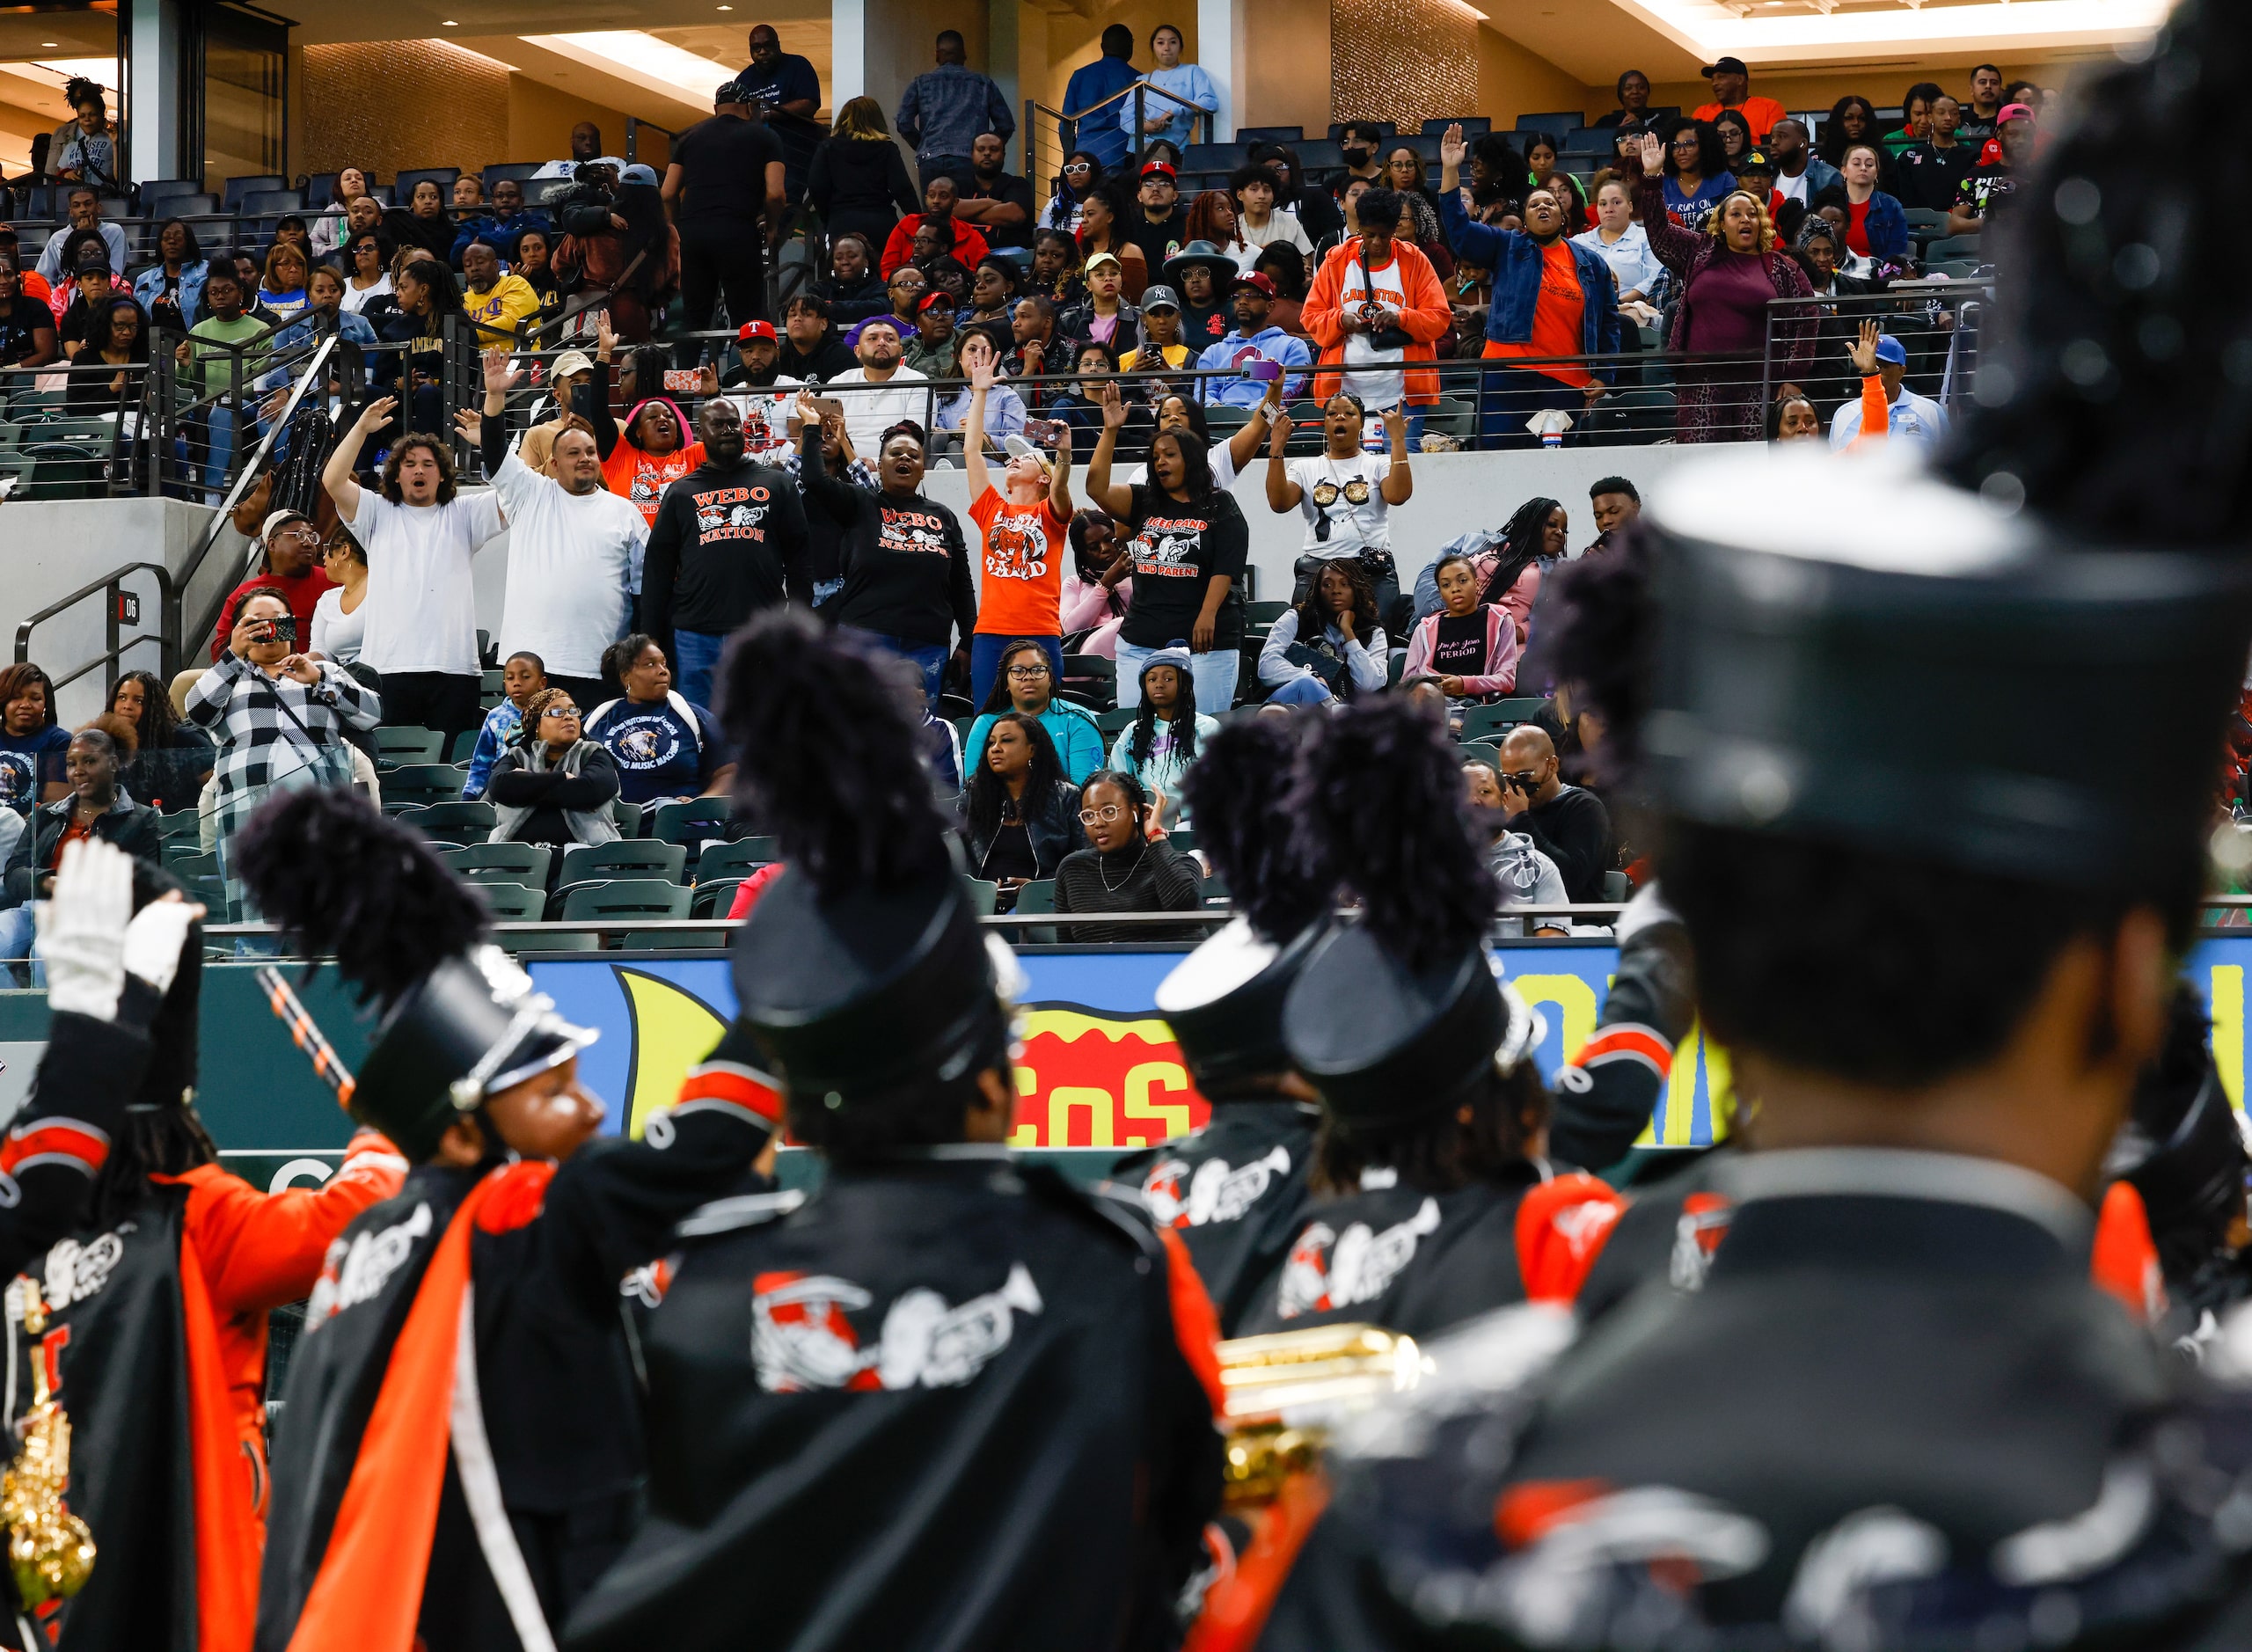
point(155, 937)
point(82, 929)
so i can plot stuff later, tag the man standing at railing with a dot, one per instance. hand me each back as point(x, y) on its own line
point(725, 173)
point(1163, 117)
point(944, 109)
point(1100, 134)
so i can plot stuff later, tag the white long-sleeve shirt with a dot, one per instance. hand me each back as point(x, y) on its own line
point(1369, 662)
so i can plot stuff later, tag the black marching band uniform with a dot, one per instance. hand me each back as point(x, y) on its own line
point(457, 1460)
point(1235, 1189)
point(1898, 1412)
point(110, 971)
point(947, 1400)
point(1435, 1203)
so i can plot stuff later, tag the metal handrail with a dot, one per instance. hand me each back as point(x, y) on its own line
point(1138, 92)
point(166, 635)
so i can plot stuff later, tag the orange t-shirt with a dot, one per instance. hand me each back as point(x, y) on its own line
point(1559, 320)
point(630, 473)
point(1022, 592)
point(1761, 114)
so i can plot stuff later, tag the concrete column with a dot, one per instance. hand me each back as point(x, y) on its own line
point(157, 73)
point(848, 46)
point(1221, 47)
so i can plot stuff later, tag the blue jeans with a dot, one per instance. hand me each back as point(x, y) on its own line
point(15, 933)
point(985, 661)
point(699, 653)
point(1509, 396)
point(1301, 690)
point(1213, 673)
point(929, 658)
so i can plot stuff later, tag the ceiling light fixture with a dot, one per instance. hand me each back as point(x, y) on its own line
point(448, 23)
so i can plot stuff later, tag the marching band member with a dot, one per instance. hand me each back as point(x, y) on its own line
point(1899, 1412)
point(948, 1401)
point(1439, 1204)
point(154, 1339)
point(457, 1458)
point(1234, 1191)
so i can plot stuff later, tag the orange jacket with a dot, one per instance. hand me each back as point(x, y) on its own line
point(244, 1253)
point(1426, 317)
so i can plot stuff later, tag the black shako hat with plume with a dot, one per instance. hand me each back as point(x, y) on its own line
point(1396, 1016)
point(862, 971)
point(1224, 1002)
point(1932, 664)
point(459, 1020)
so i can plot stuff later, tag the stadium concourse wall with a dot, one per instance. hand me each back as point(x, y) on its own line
point(52, 548)
point(1100, 1074)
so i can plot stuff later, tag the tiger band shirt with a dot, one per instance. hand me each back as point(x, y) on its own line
point(1020, 587)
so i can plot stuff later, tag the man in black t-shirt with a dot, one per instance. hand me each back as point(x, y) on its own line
point(726, 173)
point(1567, 823)
point(999, 204)
point(1162, 228)
point(1932, 172)
point(783, 93)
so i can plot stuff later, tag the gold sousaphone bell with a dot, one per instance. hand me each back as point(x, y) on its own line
point(50, 1552)
point(1285, 1391)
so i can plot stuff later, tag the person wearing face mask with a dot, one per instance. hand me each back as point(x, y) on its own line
point(466, 1465)
point(1553, 300)
point(730, 539)
point(1358, 141)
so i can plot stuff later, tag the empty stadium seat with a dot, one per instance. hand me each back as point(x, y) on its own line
point(693, 821)
point(520, 170)
point(405, 742)
point(715, 898)
point(1270, 135)
point(262, 203)
point(1472, 125)
point(418, 784)
point(1563, 120)
point(320, 188)
point(673, 940)
point(237, 187)
point(628, 857)
point(623, 898)
point(442, 176)
point(1388, 128)
point(501, 863)
point(513, 900)
point(1214, 157)
point(450, 820)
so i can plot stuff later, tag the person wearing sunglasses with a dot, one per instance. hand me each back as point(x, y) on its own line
point(555, 785)
point(1124, 869)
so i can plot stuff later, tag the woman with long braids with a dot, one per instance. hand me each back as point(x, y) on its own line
point(1159, 747)
point(171, 758)
point(1098, 586)
point(1125, 869)
point(1433, 1202)
point(1018, 809)
point(156, 1304)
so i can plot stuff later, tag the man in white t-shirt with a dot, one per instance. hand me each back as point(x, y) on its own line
point(1346, 494)
point(767, 400)
point(421, 605)
point(869, 413)
point(574, 548)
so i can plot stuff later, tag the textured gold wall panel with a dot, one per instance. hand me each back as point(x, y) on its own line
point(1405, 61)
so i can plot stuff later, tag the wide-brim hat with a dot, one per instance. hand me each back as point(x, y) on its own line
point(1176, 267)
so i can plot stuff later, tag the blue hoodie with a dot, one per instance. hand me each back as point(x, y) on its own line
point(1078, 737)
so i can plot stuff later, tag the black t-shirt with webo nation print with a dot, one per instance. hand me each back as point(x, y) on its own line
point(1178, 550)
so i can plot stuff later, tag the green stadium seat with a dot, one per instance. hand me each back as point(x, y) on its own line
point(628, 857)
point(1614, 886)
point(418, 784)
point(1478, 721)
point(628, 816)
point(553, 940)
point(736, 859)
point(713, 899)
point(623, 898)
point(192, 865)
point(1039, 895)
point(694, 820)
point(514, 900)
point(450, 822)
point(984, 895)
point(674, 941)
point(1113, 722)
point(406, 743)
point(464, 746)
point(500, 863)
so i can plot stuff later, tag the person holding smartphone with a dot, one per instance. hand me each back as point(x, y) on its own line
point(292, 566)
point(279, 716)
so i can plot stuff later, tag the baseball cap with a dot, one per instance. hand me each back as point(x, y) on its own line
point(1103, 258)
point(1754, 161)
point(638, 173)
point(1157, 298)
point(1725, 66)
point(1159, 167)
point(932, 300)
point(1891, 349)
point(570, 363)
point(750, 330)
point(1020, 448)
point(2014, 112)
point(277, 520)
point(1257, 279)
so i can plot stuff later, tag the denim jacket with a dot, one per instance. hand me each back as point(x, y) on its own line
point(1516, 258)
point(151, 283)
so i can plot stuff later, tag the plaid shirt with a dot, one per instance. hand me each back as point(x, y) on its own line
point(240, 706)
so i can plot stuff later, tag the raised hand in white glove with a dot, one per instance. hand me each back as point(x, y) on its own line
point(82, 929)
point(154, 939)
